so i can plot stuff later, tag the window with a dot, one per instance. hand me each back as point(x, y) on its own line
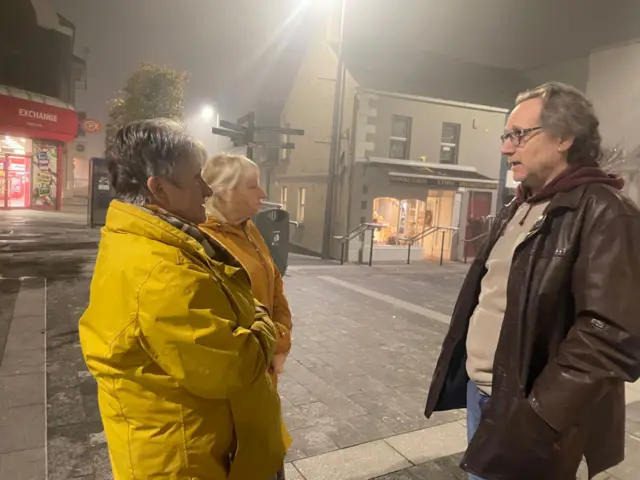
point(401, 219)
point(400, 137)
point(283, 197)
point(449, 143)
point(302, 201)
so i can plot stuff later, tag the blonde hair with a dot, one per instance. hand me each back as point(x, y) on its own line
point(222, 173)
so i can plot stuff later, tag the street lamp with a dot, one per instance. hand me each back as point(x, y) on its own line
point(336, 131)
point(207, 112)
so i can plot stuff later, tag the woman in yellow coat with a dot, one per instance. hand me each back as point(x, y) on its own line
point(237, 196)
point(173, 335)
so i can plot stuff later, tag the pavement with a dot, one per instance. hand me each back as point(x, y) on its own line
point(365, 343)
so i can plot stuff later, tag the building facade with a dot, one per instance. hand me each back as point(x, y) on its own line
point(410, 163)
point(37, 117)
point(420, 144)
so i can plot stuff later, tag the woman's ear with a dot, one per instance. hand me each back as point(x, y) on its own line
point(156, 187)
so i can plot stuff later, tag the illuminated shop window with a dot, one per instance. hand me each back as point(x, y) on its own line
point(402, 219)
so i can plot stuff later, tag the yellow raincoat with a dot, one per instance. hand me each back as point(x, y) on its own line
point(180, 356)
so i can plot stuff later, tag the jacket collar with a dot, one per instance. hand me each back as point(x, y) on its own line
point(126, 218)
point(567, 189)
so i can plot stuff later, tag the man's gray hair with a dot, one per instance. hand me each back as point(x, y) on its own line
point(566, 112)
point(145, 149)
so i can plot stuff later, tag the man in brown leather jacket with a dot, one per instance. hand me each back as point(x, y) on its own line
point(546, 328)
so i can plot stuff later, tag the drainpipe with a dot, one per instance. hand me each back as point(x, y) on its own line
point(352, 164)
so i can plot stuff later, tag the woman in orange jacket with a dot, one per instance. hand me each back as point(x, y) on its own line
point(237, 196)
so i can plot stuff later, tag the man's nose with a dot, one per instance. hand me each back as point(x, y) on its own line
point(507, 148)
point(207, 190)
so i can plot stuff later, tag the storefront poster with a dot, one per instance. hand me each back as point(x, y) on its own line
point(45, 173)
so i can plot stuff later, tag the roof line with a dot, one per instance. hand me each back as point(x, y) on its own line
point(415, 163)
point(438, 101)
point(13, 92)
point(437, 177)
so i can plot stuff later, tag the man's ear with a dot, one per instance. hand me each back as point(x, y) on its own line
point(565, 144)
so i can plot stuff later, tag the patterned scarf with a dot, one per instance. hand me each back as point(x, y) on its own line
point(211, 248)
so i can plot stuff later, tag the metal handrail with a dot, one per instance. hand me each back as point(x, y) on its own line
point(490, 219)
point(469, 240)
point(360, 229)
point(425, 233)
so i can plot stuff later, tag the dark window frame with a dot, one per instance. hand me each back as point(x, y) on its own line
point(406, 141)
point(445, 142)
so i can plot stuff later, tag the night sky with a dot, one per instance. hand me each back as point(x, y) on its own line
point(230, 48)
point(238, 51)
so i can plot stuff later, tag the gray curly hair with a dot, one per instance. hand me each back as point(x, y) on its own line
point(566, 112)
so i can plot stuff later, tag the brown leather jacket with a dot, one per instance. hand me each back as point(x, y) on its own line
point(570, 339)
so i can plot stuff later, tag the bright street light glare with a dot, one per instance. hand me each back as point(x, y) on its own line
point(207, 112)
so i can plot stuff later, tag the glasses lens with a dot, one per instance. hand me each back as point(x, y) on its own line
point(512, 136)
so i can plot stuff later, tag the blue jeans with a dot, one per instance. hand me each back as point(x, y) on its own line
point(475, 402)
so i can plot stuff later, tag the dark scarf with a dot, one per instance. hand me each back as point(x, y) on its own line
point(574, 176)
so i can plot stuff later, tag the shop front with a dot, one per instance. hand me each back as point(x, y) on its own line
point(434, 207)
point(33, 132)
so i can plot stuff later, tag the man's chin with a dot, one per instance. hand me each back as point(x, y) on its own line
point(520, 178)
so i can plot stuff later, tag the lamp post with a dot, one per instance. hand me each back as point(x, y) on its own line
point(336, 133)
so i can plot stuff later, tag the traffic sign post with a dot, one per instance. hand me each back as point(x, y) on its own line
point(243, 133)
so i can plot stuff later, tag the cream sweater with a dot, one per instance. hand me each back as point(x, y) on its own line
point(486, 321)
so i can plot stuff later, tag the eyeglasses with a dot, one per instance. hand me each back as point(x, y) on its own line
point(518, 135)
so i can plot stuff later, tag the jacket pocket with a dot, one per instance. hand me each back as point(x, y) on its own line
point(519, 446)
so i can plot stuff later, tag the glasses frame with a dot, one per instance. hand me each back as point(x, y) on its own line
point(518, 135)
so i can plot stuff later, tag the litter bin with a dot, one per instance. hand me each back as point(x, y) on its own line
point(273, 225)
point(100, 192)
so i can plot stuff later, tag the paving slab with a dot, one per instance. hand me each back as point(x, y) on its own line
point(431, 443)
point(23, 465)
point(22, 384)
point(356, 463)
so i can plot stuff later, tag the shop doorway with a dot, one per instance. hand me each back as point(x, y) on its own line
point(478, 222)
point(15, 183)
point(440, 205)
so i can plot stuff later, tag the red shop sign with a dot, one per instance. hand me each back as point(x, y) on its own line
point(39, 120)
point(91, 126)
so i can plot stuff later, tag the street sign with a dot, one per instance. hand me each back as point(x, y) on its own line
point(232, 126)
point(284, 146)
point(283, 131)
point(90, 125)
point(249, 117)
point(227, 133)
point(242, 135)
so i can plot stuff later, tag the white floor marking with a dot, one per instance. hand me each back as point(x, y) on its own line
point(396, 302)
